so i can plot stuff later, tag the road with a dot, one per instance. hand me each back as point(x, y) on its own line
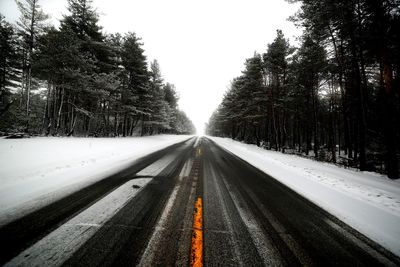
point(191, 204)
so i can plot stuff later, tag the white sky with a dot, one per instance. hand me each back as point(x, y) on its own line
point(201, 45)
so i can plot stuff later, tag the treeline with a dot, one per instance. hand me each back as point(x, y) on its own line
point(336, 97)
point(76, 80)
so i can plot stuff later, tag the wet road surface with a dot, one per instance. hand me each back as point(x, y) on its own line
point(203, 206)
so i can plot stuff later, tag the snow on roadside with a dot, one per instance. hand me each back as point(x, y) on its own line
point(36, 171)
point(367, 201)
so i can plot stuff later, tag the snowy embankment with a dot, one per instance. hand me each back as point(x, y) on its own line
point(37, 171)
point(368, 202)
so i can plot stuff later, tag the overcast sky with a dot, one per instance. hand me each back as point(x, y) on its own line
point(201, 45)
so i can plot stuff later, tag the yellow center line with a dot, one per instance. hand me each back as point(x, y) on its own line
point(198, 151)
point(196, 254)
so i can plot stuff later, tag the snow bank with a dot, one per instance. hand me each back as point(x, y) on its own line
point(36, 171)
point(369, 202)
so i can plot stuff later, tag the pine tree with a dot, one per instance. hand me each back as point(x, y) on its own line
point(9, 65)
point(253, 92)
point(96, 84)
point(83, 21)
point(338, 92)
point(31, 25)
point(311, 66)
point(97, 91)
point(171, 97)
point(276, 64)
point(136, 99)
point(183, 124)
point(362, 34)
point(382, 27)
point(160, 121)
point(60, 61)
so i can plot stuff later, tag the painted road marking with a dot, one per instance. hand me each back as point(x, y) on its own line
point(151, 249)
point(63, 242)
point(196, 255)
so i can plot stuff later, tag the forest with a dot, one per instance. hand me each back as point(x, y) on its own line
point(75, 80)
point(335, 97)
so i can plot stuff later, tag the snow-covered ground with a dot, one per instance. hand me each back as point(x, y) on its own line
point(367, 201)
point(37, 171)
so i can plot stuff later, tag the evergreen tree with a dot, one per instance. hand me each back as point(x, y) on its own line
point(171, 97)
point(96, 84)
point(339, 93)
point(136, 99)
point(311, 67)
point(60, 61)
point(9, 65)
point(32, 24)
point(363, 38)
point(83, 21)
point(160, 110)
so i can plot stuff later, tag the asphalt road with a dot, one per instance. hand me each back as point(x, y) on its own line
point(205, 207)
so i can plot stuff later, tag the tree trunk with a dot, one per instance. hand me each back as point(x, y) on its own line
point(389, 121)
point(124, 130)
point(389, 118)
point(142, 126)
point(71, 131)
point(315, 125)
point(28, 97)
point(46, 120)
point(59, 110)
